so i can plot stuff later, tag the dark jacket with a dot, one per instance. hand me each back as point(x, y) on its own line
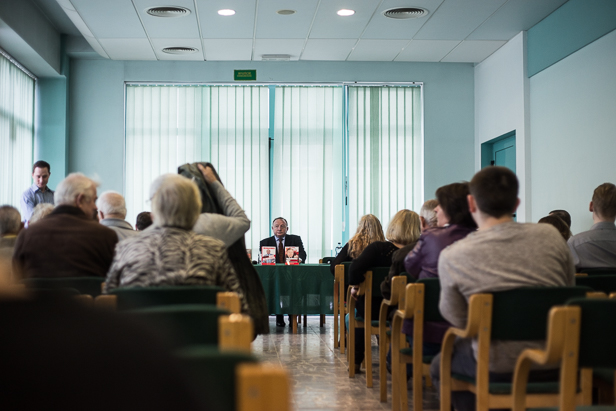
point(289, 240)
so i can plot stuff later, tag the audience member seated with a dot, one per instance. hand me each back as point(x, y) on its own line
point(402, 230)
point(144, 220)
point(10, 225)
point(40, 211)
point(112, 213)
point(170, 253)
point(596, 248)
point(368, 231)
point(68, 242)
point(57, 354)
point(558, 223)
point(501, 255)
point(427, 215)
point(563, 214)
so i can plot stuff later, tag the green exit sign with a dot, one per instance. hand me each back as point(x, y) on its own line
point(245, 75)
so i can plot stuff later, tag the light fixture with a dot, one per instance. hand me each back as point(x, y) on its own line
point(346, 12)
point(169, 11)
point(402, 13)
point(226, 12)
point(180, 50)
point(286, 12)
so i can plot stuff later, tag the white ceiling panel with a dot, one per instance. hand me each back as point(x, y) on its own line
point(381, 27)
point(185, 27)
point(427, 50)
point(377, 50)
point(329, 25)
point(128, 49)
point(227, 49)
point(456, 19)
point(110, 19)
point(271, 25)
point(513, 17)
point(473, 51)
point(160, 44)
point(328, 49)
point(238, 26)
point(293, 47)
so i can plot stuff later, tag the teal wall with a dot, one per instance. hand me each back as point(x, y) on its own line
point(96, 111)
point(574, 25)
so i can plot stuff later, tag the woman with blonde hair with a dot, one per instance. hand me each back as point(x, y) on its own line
point(368, 231)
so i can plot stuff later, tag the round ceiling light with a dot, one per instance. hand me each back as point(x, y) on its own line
point(168, 11)
point(226, 12)
point(401, 13)
point(180, 50)
point(285, 12)
point(345, 12)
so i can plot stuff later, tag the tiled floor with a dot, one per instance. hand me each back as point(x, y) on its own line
point(319, 373)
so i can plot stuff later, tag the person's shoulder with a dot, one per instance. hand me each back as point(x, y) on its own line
point(206, 241)
point(265, 240)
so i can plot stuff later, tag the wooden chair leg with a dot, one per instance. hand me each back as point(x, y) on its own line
point(384, 345)
point(322, 321)
point(351, 350)
point(305, 321)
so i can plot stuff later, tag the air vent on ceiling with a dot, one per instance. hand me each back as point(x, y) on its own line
point(275, 57)
point(405, 13)
point(286, 12)
point(180, 50)
point(169, 11)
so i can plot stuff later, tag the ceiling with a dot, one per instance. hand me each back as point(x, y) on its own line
point(466, 31)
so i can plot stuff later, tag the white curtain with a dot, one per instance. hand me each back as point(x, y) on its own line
point(385, 152)
point(307, 176)
point(167, 126)
point(16, 132)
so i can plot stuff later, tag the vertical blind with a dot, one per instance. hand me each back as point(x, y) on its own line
point(16, 131)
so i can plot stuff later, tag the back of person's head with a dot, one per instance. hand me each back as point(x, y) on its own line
point(495, 190)
point(72, 186)
point(176, 203)
point(404, 228)
point(144, 220)
point(10, 220)
point(563, 214)
point(41, 211)
point(452, 199)
point(557, 222)
point(604, 201)
point(368, 231)
point(41, 164)
point(112, 203)
point(428, 213)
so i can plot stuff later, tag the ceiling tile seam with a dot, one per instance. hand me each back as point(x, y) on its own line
point(405, 46)
point(432, 13)
point(199, 26)
point(144, 30)
point(450, 51)
point(487, 18)
point(363, 31)
point(89, 28)
point(254, 31)
point(301, 53)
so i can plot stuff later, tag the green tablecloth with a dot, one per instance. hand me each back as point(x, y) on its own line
point(298, 289)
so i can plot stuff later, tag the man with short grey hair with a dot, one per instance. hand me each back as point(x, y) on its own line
point(427, 215)
point(68, 242)
point(112, 213)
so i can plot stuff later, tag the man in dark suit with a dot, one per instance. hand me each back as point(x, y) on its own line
point(280, 240)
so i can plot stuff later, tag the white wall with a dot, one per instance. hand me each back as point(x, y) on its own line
point(501, 106)
point(573, 121)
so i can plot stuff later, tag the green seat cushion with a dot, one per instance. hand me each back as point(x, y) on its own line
point(84, 285)
point(426, 359)
point(374, 323)
point(139, 297)
point(606, 374)
point(505, 388)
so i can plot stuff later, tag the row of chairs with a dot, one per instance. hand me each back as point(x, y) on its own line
point(211, 338)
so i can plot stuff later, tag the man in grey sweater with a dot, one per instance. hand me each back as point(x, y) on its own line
point(500, 255)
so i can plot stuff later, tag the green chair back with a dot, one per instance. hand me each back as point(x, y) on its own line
point(597, 332)
point(213, 373)
point(379, 274)
point(521, 314)
point(347, 266)
point(84, 285)
point(328, 260)
point(605, 283)
point(183, 324)
point(141, 297)
point(598, 271)
point(432, 296)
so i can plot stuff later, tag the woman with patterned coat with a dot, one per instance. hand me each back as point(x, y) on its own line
point(170, 253)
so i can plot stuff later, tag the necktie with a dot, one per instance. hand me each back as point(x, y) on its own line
point(280, 252)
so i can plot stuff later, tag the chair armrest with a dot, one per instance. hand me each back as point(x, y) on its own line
point(263, 387)
point(106, 301)
point(229, 301)
point(235, 332)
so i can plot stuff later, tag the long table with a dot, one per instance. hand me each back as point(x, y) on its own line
point(297, 289)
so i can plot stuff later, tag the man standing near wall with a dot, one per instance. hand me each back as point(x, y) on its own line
point(37, 193)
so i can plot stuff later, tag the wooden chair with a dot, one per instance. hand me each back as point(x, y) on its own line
point(85, 285)
point(514, 315)
point(398, 287)
point(341, 290)
point(235, 381)
point(420, 305)
point(581, 336)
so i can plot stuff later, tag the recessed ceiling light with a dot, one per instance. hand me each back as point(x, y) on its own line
point(345, 12)
point(285, 12)
point(226, 12)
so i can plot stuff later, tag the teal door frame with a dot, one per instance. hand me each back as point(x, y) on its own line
point(504, 143)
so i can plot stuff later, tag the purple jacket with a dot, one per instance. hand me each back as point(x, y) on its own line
point(422, 262)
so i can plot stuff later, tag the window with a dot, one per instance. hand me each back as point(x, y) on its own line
point(16, 131)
